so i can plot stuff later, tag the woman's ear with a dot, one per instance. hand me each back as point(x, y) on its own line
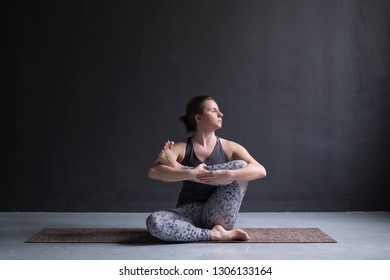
point(198, 117)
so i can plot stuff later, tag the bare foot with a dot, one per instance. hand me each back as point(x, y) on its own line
point(165, 156)
point(218, 233)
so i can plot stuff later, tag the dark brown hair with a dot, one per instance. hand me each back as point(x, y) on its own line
point(194, 107)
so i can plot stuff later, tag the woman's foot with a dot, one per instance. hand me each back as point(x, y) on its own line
point(218, 233)
point(165, 156)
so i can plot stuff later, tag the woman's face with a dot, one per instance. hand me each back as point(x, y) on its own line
point(211, 116)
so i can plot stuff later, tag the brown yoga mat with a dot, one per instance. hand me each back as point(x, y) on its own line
point(141, 236)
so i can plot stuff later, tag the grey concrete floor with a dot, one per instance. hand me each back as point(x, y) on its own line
point(360, 236)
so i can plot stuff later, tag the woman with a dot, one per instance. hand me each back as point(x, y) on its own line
point(215, 174)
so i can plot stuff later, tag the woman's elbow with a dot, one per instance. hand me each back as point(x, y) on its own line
point(155, 174)
point(152, 173)
point(262, 172)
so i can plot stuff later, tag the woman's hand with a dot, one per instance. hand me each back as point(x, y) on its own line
point(201, 175)
point(200, 169)
point(215, 177)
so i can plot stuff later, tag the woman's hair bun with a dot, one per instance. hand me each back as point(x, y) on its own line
point(194, 107)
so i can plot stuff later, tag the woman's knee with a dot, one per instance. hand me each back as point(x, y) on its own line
point(152, 223)
point(231, 165)
point(237, 164)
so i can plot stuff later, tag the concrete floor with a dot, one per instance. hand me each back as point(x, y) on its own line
point(360, 236)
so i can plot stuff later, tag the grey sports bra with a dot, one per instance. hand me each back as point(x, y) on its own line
point(193, 191)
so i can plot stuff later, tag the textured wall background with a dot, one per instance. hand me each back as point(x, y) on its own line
point(96, 87)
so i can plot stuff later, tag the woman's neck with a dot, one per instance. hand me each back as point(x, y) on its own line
point(204, 139)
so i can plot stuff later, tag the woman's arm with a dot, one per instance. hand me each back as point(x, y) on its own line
point(166, 173)
point(167, 168)
point(178, 173)
point(252, 171)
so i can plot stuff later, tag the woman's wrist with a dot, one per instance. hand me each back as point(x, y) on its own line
point(190, 172)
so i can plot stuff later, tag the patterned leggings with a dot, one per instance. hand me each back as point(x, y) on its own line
point(194, 221)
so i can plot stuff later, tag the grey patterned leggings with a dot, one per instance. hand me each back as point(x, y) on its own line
point(194, 221)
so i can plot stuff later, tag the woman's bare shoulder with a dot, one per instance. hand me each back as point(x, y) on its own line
point(181, 143)
point(228, 143)
point(179, 148)
point(229, 147)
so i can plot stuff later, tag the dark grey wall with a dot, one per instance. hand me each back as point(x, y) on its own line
point(96, 87)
